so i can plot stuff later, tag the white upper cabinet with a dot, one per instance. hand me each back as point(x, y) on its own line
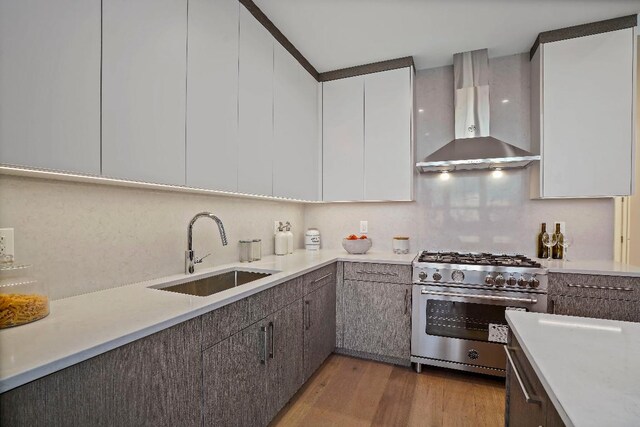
point(388, 164)
point(583, 115)
point(143, 90)
point(296, 164)
point(368, 137)
point(50, 84)
point(212, 95)
point(343, 139)
point(255, 148)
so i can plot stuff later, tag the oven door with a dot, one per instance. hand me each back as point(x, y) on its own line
point(466, 326)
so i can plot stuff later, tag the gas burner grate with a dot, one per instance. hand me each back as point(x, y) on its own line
point(478, 259)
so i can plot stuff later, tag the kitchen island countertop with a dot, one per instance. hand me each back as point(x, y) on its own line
point(588, 367)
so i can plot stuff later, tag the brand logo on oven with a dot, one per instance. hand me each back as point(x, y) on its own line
point(473, 354)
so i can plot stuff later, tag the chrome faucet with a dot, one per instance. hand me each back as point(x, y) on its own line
point(190, 260)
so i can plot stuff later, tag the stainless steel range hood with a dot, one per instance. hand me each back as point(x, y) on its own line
point(474, 148)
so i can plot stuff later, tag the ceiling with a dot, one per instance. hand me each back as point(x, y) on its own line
point(334, 34)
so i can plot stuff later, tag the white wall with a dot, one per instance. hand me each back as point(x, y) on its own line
point(85, 237)
point(472, 210)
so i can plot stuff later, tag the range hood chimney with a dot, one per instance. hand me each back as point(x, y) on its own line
point(473, 147)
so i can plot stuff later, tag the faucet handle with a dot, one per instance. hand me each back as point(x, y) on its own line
point(199, 260)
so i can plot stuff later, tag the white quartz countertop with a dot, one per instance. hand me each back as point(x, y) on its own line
point(84, 326)
point(608, 268)
point(589, 367)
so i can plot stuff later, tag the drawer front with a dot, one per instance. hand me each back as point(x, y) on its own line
point(595, 286)
point(596, 308)
point(230, 319)
point(266, 302)
point(370, 272)
point(318, 278)
point(224, 322)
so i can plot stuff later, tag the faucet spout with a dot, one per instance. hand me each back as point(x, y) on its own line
point(190, 259)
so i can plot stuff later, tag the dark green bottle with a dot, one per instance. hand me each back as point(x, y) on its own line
point(557, 251)
point(543, 251)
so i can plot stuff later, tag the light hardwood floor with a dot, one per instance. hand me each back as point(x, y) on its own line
point(351, 392)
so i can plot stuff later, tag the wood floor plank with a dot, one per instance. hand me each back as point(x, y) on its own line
point(351, 392)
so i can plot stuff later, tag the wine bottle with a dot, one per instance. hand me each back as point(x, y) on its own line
point(543, 251)
point(557, 251)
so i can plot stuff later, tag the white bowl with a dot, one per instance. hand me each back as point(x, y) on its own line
point(357, 247)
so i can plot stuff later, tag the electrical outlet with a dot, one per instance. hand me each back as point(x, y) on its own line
point(364, 227)
point(6, 243)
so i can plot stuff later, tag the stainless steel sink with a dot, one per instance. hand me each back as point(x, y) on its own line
point(216, 283)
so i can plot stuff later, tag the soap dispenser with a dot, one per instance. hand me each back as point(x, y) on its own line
point(281, 241)
point(289, 235)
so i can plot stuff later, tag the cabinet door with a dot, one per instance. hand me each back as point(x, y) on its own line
point(519, 412)
point(144, 76)
point(295, 119)
point(50, 84)
point(319, 327)
point(388, 169)
point(285, 367)
point(587, 115)
point(343, 139)
point(377, 318)
point(255, 149)
point(234, 377)
point(212, 95)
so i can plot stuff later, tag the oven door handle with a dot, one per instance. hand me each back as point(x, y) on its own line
point(486, 297)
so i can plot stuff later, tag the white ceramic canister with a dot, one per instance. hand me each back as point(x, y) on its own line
point(281, 241)
point(312, 239)
point(400, 245)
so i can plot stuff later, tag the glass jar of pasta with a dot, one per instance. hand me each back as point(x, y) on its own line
point(22, 300)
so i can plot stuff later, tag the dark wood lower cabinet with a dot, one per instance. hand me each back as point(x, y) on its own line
point(527, 403)
point(154, 381)
point(250, 376)
point(377, 318)
point(319, 327)
point(234, 378)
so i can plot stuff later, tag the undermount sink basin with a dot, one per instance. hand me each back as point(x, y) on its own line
point(217, 283)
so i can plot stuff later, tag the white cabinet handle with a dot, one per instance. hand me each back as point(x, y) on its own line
point(604, 288)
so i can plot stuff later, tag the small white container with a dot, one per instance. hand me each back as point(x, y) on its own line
point(289, 235)
point(400, 245)
point(281, 241)
point(312, 239)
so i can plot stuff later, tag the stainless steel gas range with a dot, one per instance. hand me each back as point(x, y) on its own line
point(459, 304)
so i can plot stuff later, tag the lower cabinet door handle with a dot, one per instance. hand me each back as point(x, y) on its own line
point(604, 288)
point(271, 329)
point(263, 350)
point(406, 298)
point(528, 397)
point(307, 312)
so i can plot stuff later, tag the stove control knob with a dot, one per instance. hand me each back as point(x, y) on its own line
point(437, 276)
point(488, 280)
point(422, 276)
point(522, 282)
point(511, 281)
point(499, 280)
point(533, 282)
